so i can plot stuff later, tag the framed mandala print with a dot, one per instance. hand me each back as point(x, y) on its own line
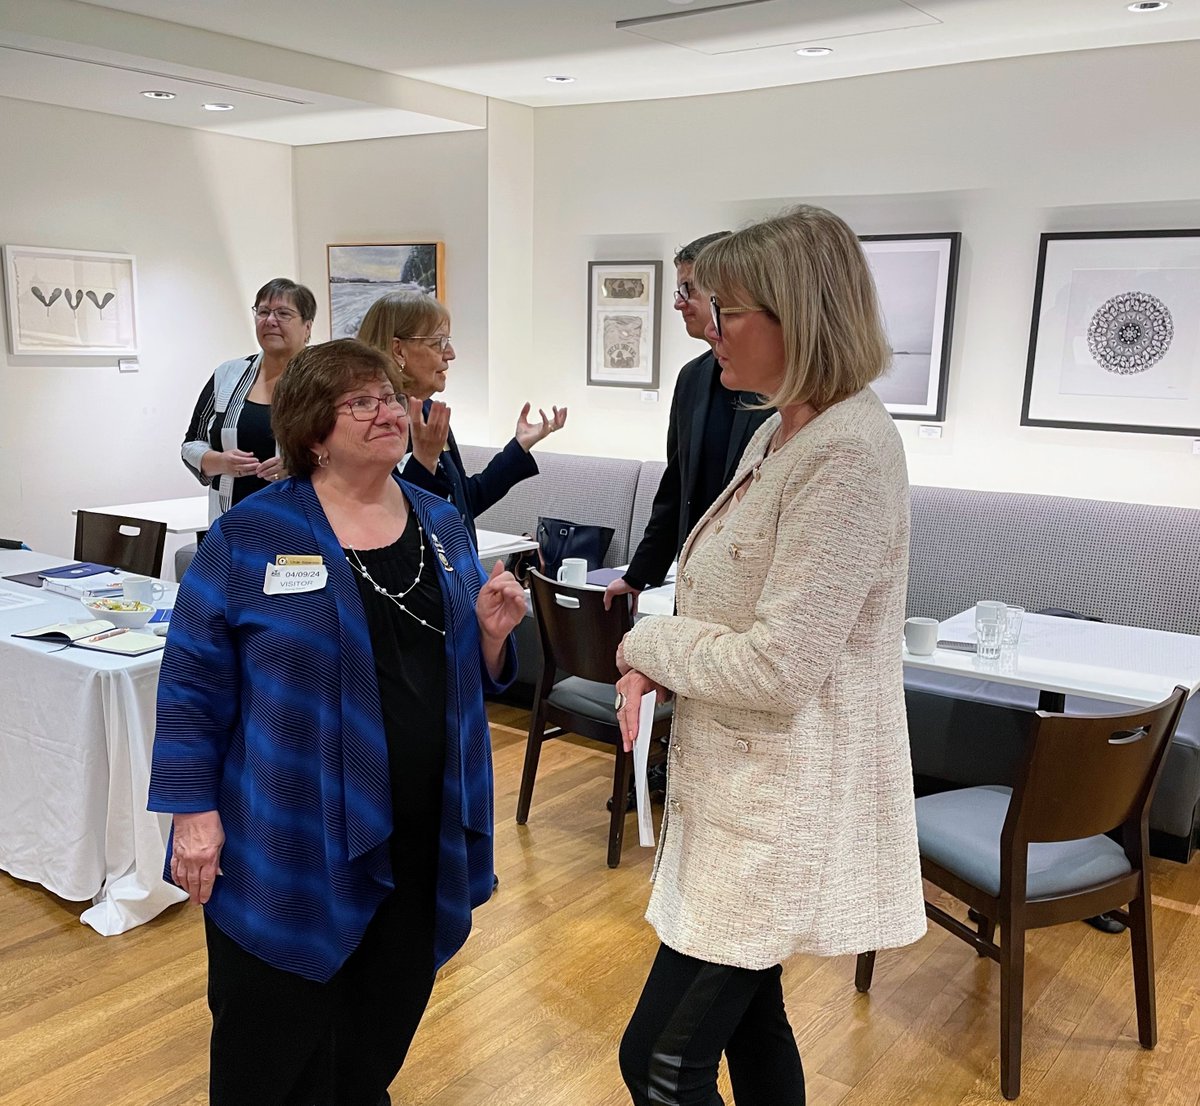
point(1115, 338)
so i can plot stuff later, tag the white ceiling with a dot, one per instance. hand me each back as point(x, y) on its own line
point(301, 71)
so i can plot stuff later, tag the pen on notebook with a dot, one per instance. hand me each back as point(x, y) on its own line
point(111, 633)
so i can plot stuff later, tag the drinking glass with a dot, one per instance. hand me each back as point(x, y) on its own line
point(1012, 626)
point(988, 635)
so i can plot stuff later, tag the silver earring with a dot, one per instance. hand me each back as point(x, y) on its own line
point(323, 460)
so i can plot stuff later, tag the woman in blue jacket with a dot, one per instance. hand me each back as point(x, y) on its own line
point(413, 329)
point(323, 747)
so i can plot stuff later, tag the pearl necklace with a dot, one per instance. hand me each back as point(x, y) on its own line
point(395, 597)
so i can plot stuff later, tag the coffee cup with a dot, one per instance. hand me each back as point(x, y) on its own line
point(920, 635)
point(141, 589)
point(573, 570)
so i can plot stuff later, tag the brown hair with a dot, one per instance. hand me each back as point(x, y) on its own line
point(400, 315)
point(302, 405)
point(302, 299)
point(807, 269)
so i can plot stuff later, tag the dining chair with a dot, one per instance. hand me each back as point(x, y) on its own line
point(1068, 842)
point(579, 637)
point(132, 544)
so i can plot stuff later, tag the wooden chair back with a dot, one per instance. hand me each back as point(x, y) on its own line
point(1085, 776)
point(132, 544)
point(577, 634)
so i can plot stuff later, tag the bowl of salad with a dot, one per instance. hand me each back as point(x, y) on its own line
point(127, 613)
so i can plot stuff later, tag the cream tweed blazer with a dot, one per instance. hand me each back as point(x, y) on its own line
point(789, 823)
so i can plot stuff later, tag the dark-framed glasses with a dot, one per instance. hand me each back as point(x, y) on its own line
point(366, 408)
point(737, 309)
point(283, 314)
point(443, 340)
point(684, 292)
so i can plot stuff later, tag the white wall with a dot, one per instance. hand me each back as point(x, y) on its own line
point(421, 189)
point(999, 150)
point(209, 219)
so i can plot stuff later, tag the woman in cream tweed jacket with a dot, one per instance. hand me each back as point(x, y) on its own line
point(789, 822)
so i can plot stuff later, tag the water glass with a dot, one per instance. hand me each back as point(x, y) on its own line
point(988, 634)
point(1012, 626)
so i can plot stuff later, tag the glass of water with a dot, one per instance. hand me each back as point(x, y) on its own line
point(989, 633)
point(1013, 616)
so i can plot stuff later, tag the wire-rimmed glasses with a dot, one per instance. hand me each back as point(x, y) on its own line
point(443, 340)
point(366, 408)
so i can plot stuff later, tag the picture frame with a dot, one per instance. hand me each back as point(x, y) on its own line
point(361, 272)
point(624, 323)
point(75, 303)
point(916, 280)
point(1114, 342)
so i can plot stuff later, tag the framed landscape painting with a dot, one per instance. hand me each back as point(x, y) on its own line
point(1114, 343)
point(915, 278)
point(624, 320)
point(75, 302)
point(359, 273)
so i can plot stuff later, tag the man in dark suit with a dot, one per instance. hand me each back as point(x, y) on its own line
point(708, 430)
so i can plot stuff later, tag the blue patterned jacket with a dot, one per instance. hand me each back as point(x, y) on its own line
point(269, 712)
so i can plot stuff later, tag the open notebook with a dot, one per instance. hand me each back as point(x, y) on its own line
point(98, 634)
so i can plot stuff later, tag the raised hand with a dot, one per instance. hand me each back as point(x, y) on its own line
point(529, 434)
point(429, 433)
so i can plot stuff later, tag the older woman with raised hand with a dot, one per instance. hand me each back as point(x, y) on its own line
point(789, 824)
point(414, 330)
point(323, 746)
point(229, 445)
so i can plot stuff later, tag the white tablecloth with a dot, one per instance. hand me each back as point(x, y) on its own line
point(76, 728)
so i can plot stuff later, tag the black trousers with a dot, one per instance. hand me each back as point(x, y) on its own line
point(689, 1013)
point(281, 1040)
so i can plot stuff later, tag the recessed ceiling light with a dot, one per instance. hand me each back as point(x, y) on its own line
point(561, 80)
point(814, 51)
point(218, 107)
point(1144, 6)
point(158, 94)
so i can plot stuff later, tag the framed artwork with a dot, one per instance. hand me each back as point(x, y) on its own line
point(624, 320)
point(915, 278)
point(359, 273)
point(72, 302)
point(1115, 339)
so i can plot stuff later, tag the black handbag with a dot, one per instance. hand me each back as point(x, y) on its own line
point(557, 538)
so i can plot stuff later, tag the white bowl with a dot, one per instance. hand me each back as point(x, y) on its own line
point(129, 619)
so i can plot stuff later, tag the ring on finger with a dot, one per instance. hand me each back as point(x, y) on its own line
point(620, 701)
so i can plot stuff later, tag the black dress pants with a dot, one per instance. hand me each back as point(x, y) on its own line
point(689, 1013)
point(281, 1040)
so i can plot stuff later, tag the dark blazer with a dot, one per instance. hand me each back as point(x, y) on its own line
point(677, 506)
point(472, 495)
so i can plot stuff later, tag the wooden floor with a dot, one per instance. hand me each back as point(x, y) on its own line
point(530, 1012)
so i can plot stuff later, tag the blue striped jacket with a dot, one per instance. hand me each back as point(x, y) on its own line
point(269, 712)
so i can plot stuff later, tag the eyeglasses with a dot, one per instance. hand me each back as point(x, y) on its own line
point(366, 408)
point(684, 292)
point(718, 311)
point(443, 340)
point(283, 314)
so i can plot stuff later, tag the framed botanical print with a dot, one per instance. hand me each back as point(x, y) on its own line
point(75, 302)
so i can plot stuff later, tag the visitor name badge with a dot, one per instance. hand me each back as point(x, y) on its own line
point(291, 573)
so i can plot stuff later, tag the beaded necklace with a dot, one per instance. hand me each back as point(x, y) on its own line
point(395, 597)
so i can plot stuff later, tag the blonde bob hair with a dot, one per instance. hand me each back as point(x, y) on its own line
point(807, 269)
point(400, 315)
